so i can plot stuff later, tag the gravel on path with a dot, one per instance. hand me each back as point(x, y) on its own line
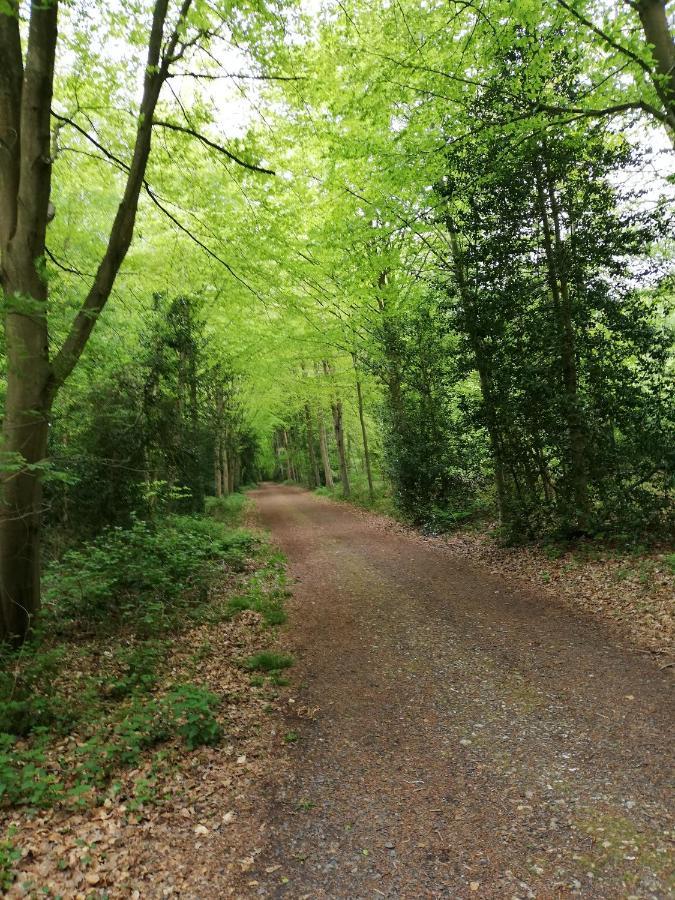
point(465, 737)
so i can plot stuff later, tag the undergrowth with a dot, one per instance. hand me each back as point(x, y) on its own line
point(359, 495)
point(92, 692)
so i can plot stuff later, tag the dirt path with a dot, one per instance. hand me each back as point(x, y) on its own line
point(471, 741)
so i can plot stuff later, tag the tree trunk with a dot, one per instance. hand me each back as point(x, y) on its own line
point(555, 269)
point(230, 472)
point(290, 468)
point(340, 441)
point(25, 181)
point(313, 463)
point(364, 433)
point(654, 19)
point(224, 472)
point(218, 487)
point(325, 458)
point(25, 431)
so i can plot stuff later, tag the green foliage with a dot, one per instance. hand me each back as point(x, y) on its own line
point(140, 664)
point(116, 742)
point(9, 855)
point(139, 574)
point(27, 697)
point(265, 592)
point(192, 709)
point(129, 592)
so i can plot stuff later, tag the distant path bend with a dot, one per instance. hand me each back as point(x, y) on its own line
point(472, 739)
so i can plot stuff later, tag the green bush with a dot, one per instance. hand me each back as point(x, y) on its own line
point(140, 663)
point(24, 776)
point(9, 855)
point(135, 574)
point(192, 710)
point(96, 668)
point(28, 777)
point(27, 697)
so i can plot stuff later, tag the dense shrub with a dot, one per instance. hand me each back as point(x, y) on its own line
point(135, 574)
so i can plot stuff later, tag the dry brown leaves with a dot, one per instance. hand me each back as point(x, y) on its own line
point(633, 593)
point(199, 834)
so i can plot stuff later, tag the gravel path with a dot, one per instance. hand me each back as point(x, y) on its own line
point(471, 740)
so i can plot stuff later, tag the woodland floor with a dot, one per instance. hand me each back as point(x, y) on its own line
point(467, 734)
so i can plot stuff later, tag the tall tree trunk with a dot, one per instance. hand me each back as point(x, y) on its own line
point(25, 180)
point(217, 471)
point(336, 407)
point(313, 463)
point(654, 19)
point(290, 463)
point(224, 472)
point(230, 457)
point(364, 434)
point(325, 458)
point(559, 288)
point(485, 379)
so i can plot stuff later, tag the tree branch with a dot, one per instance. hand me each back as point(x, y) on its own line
point(121, 233)
point(209, 143)
point(107, 153)
point(616, 109)
point(608, 39)
point(197, 241)
point(206, 76)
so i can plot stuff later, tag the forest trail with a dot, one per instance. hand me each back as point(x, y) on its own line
point(470, 740)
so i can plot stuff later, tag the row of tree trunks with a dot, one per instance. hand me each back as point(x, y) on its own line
point(287, 439)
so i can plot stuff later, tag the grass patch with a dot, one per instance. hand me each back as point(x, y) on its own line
point(619, 843)
point(268, 661)
point(266, 591)
point(227, 510)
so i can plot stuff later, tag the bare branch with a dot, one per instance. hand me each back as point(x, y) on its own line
point(197, 241)
point(608, 39)
point(239, 76)
point(209, 143)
